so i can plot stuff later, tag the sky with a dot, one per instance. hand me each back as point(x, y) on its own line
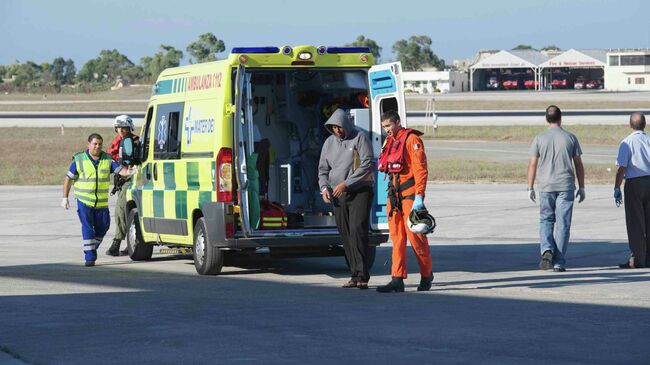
point(40, 31)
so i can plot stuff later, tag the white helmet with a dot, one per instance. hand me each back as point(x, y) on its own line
point(420, 221)
point(123, 121)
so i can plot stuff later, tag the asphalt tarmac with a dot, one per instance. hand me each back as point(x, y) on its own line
point(489, 305)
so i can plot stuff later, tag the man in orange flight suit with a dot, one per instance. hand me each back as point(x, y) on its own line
point(407, 185)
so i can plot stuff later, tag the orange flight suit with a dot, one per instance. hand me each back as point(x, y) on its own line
point(415, 166)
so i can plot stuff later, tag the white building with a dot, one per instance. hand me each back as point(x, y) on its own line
point(628, 70)
point(428, 82)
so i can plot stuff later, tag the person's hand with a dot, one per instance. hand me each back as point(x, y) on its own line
point(326, 196)
point(132, 170)
point(64, 203)
point(418, 202)
point(339, 189)
point(618, 197)
point(531, 195)
point(580, 194)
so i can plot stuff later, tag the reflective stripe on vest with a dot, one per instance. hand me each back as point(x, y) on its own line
point(91, 188)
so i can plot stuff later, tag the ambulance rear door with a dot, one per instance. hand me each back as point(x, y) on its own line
point(386, 93)
point(242, 144)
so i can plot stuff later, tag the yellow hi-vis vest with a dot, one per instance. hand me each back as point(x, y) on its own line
point(91, 188)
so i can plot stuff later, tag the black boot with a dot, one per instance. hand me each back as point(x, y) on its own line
point(425, 283)
point(396, 285)
point(114, 250)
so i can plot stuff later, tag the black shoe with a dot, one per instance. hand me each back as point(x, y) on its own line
point(425, 283)
point(395, 285)
point(547, 260)
point(114, 250)
point(124, 252)
point(90, 263)
point(559, 269)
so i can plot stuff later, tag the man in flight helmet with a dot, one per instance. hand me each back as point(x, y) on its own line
point(123, 126)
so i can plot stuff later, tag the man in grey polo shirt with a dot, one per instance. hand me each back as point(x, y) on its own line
point(553, 154)
point(634, 165)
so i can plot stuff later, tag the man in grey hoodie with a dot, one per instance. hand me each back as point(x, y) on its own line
point(345, 177)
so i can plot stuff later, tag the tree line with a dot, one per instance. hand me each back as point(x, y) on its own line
point(100, 73)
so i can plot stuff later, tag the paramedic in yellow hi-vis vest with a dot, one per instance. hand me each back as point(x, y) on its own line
point(89, 173)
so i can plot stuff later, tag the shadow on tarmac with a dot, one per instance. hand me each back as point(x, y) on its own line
point(155, 317)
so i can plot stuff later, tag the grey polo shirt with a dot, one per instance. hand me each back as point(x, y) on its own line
point(555, 149)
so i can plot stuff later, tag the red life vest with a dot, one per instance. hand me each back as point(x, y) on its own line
point(391, 159)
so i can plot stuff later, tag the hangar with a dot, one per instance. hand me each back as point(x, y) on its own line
point(507, 70)
point(574, 69)
point(615, 70)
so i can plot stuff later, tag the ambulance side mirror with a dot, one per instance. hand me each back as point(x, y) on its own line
point(130, 152)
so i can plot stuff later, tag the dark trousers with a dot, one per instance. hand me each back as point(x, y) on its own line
point(637, 218)
point(352, 213)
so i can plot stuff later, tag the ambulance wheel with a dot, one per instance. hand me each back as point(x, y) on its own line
point(208, 260)
point(372, 252)
point(139, 250)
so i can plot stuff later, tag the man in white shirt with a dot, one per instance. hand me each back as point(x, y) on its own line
point(634, 165)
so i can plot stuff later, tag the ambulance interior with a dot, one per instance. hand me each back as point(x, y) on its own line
point(288, 110)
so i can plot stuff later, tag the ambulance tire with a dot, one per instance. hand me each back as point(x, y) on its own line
point(208, 260)
point(372, 253)
point(139, 250)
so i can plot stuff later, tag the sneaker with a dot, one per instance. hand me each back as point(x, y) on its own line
point(425, 283)
point(89, 263)
point(559, 269)
point(395, 285)
point(547, 260)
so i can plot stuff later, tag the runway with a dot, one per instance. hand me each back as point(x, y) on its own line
point(414, 118)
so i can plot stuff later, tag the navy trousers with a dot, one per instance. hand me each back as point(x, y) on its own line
point(94, 225)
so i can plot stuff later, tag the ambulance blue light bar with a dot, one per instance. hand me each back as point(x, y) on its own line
point(348, 50)
point(255, 50)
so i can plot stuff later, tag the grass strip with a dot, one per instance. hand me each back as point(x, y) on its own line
point(41, 156)
point(607, 135)
point(493, 172)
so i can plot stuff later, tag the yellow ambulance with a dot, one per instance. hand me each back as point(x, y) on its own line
point(229, 152)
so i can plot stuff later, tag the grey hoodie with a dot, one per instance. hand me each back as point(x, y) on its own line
point(337, 156)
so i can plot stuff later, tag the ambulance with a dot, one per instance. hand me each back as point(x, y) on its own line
point(228, 153)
